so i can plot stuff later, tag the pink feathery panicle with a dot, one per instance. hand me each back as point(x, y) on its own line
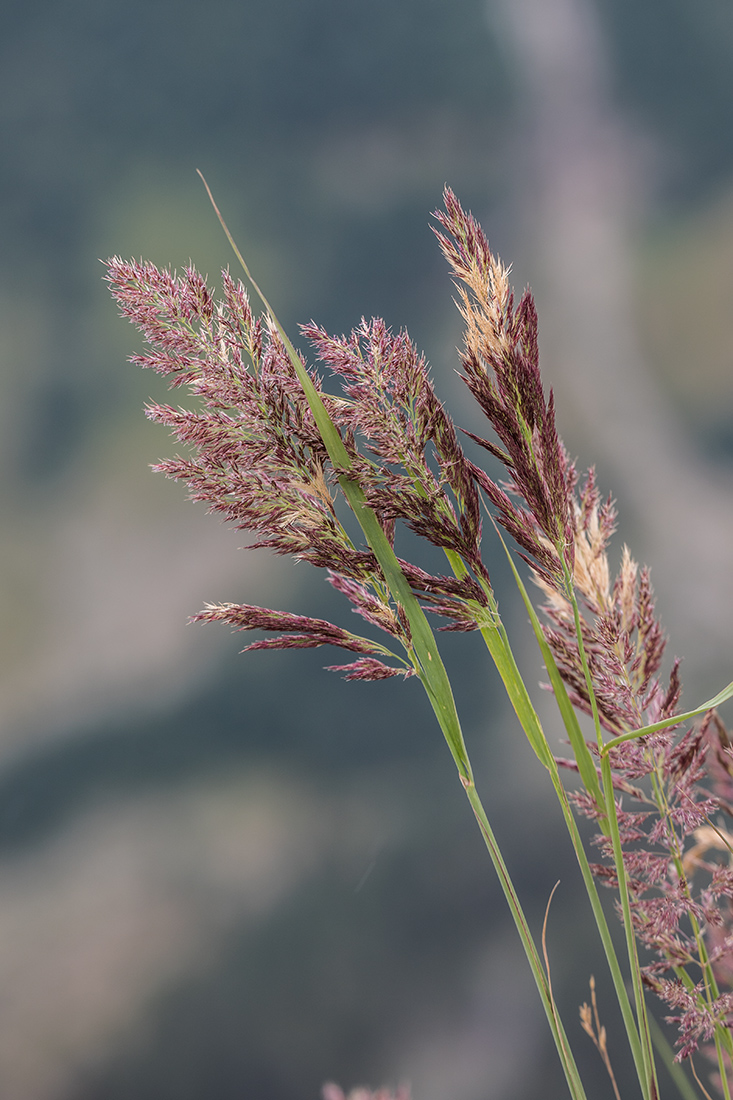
point(695, 1017)
point(308, 632)
point(501, 369)
point(720, 756)
point(369, 668)
point(303, 632)
point(677, 850)
point(334, 1092)
point(167, 309)
point(562, 529)
point(391, 404)
point(255, 456)
point(622, 638)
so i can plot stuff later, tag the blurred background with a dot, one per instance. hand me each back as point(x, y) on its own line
point(231, 876)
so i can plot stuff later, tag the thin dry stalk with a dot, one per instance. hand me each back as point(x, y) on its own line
point(591, 1024)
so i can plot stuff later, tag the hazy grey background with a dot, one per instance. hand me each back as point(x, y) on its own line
point(226, 876)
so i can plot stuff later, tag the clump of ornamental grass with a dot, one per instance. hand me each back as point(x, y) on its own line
point(274, 451)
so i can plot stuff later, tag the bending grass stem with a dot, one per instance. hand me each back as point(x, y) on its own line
point(558, 1031)
point(652, 1086)
point(585, 766)
point(497, 642)
point(519, 688)
point(721, 1064)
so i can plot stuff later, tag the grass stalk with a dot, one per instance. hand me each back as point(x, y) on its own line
point(576, 737)
point(650, 1086)
point(558, 1031)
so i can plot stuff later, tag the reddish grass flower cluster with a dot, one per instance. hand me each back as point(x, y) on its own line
point(678, 852)
point(501, 369)
point(677, 797)
point(334, 1092)
point(255, 455)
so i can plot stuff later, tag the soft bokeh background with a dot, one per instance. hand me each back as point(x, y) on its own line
point(226, 876)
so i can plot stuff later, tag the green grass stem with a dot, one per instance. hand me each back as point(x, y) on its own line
point(541, 980)
point(650, 1086)
point(574, 733)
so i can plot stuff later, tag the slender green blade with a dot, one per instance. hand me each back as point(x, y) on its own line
point(673, 720)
